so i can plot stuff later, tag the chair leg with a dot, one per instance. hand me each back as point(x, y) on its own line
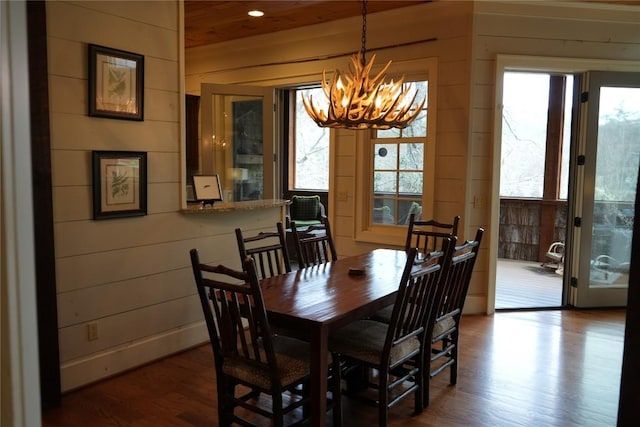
point(426, 377)
point(383, 398)
point(453, 377)
point(420, 380)
point(276, 408)
point(226, 392)
point(336, 391)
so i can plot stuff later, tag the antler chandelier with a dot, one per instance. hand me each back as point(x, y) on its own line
point(354, 100)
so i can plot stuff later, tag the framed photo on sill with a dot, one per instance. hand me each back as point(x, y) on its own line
point(207, 188)
point(119, 184)
point(116, 83)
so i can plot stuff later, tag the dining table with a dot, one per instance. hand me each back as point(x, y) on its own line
point(316, 300)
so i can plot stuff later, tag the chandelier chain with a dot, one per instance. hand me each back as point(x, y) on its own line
point(363, 50)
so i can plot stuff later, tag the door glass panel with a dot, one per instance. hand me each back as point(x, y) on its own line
point(616, 175)
point(236, 141)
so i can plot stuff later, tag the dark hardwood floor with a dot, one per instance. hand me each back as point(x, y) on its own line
point(545, 368)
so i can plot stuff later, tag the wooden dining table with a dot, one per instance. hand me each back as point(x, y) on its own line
point(317, 300)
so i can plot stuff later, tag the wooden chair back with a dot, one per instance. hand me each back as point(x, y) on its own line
point(267, 249)
point(458, 278)
point(426, 235)
point(235, 315)
point(314, 245)
point(418, 288)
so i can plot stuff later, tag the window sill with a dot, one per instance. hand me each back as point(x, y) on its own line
point(388, 236)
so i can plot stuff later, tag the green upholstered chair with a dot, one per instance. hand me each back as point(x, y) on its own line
point(305, 211)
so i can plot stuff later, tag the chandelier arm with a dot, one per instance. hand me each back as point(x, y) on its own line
point(355, 100)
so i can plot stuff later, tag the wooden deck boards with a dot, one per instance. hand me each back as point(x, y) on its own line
point(525, 284)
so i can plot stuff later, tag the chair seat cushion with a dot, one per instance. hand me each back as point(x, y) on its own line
point(306, 222)
point(444, 325)
point(364, 340)
point(292, 356)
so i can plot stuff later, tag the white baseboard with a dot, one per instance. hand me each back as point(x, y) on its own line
point(98, 366)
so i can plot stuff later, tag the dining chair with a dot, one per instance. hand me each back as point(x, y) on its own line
point(314, 244)
point(268, 249)
point(419, 233)
point(426, 236)
point(443, 327)
point(247, 353)
point(387, 347)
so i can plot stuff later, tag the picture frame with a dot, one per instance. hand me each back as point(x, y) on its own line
point(116, 83)
point(119, 184)
point(207, 188)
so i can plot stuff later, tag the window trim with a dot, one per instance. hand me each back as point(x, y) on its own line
point(425, 69)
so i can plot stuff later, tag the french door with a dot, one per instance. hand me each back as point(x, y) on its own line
point(608, 155)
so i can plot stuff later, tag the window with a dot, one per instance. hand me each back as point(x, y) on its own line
point(399, 168)
point(309, 143)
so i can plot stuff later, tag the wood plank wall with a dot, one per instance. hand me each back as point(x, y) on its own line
point(130, 276)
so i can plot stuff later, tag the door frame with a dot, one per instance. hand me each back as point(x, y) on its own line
point(539, 64)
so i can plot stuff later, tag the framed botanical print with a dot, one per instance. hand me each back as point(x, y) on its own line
point(116, 83)
point(119, 184)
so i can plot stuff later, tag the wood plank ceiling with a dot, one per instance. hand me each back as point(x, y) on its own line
point(208, 22)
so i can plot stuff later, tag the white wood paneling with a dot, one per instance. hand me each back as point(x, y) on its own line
point(166, 17)
point(130, 275)
point(96, 366)
point(105, 27)
point(120, 297)
point(79, 132)
point(116, 329)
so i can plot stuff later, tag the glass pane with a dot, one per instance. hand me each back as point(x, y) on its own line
point(247, 138)
point(383, 211)
point(418, 127)
point(618, 155)
point(410, 183)
point(237, 144)
point(411, 156)
point(384, 182)
point(385, 156)
point(524, 134)
point(388, 133)
point(311, 148)
point(566, 139)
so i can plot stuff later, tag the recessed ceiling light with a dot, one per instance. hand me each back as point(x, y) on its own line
point(256, 13)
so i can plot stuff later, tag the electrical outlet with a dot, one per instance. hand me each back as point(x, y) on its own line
point(92, 331)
